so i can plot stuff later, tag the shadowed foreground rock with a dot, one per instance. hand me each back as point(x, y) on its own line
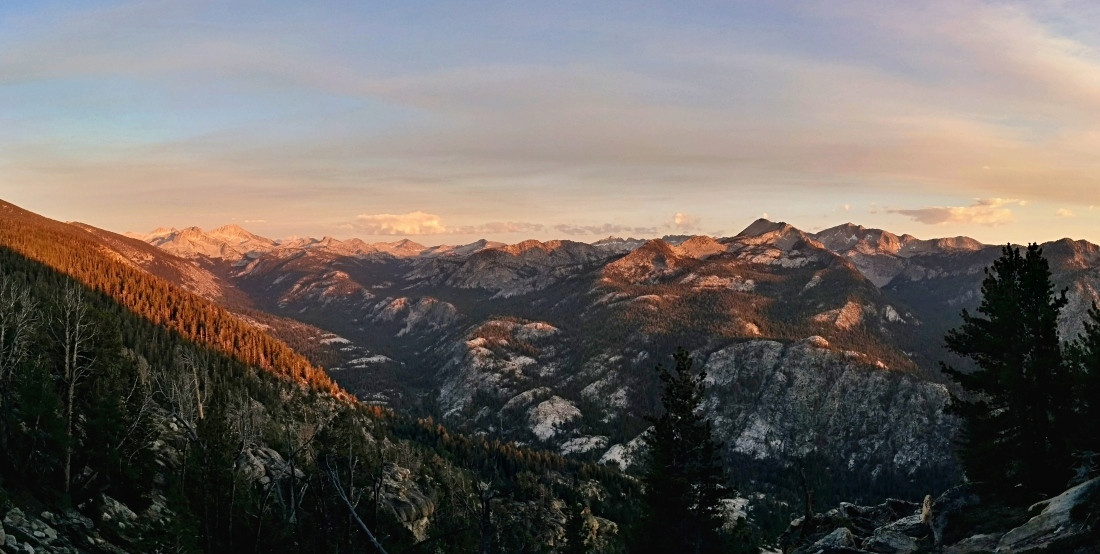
point(1065, 524)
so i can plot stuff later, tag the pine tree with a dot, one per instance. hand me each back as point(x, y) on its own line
point(1015, 405)
point(684, 481)
point(1087, 357)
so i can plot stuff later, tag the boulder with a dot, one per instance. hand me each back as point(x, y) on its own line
point(911, 526)
point(840, 538)
point(974, 545)
point(1054, 523)
point(948, 506)
point(891, 542)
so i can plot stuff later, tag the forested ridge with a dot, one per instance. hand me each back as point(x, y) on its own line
point(77, 253)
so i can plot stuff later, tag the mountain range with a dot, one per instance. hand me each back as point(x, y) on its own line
point(820, 349)
point(553, 343)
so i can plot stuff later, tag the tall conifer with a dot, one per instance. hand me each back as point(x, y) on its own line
point(684, 481)
point(1016, 401)
point(1088, 349)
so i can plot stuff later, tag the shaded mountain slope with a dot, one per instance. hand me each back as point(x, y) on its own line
point(83, 256)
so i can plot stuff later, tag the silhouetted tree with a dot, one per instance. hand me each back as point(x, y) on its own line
point(684, 480)
point(1016, 403)
point(1086, 352)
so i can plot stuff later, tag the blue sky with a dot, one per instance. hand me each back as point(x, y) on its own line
point(448, 122)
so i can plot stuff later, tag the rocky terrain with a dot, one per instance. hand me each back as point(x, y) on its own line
point(553, 343)
point(959, 521)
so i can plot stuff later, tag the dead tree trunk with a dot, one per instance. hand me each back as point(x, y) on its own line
point(335, 478)
point(75, 331)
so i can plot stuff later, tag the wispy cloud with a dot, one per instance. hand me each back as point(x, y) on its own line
point(973, 97)
point(412, 223)
point(990, 212)
point(423, 223)
point(1065, 213)
point(603, 230)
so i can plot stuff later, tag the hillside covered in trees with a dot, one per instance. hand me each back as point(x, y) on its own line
point(137, 417)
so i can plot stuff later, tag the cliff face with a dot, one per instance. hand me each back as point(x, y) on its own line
point(769, 399)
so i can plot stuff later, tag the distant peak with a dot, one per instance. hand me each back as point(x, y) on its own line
point(700, 247)
point(231, 228)
point(763, 226)
point(531, 244)
point(844, 228)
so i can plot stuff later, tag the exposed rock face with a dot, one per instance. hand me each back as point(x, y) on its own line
point(501, 359)
point(421, 315)
point(264, 465)
point(1053, 524)
point(624, 455)
point(582, 445)
point(227, 243)
point(409, 504)
point(549, 416)
point(846, 317)
point(772, 399)
point(650, 262)
point(526, 267)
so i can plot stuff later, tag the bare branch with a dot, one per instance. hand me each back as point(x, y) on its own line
point(332, 475)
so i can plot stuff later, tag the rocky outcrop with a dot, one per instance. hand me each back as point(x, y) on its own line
point(409, 504)
point(897, 527)
point(547, 419)
point(419, 316)
point(66, 532)
point(1055, 523)
point(770, 399)
point(501, 359)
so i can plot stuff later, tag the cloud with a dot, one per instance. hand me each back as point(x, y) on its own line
point(412, 223)
point(605, 229)
point(1064, 213)
point(990, 212)
point(423, 223)
point(255, 221)
point(685, 222)
point(497, 228)
point(987, 98)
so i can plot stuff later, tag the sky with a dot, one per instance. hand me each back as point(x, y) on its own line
point(446, 122)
